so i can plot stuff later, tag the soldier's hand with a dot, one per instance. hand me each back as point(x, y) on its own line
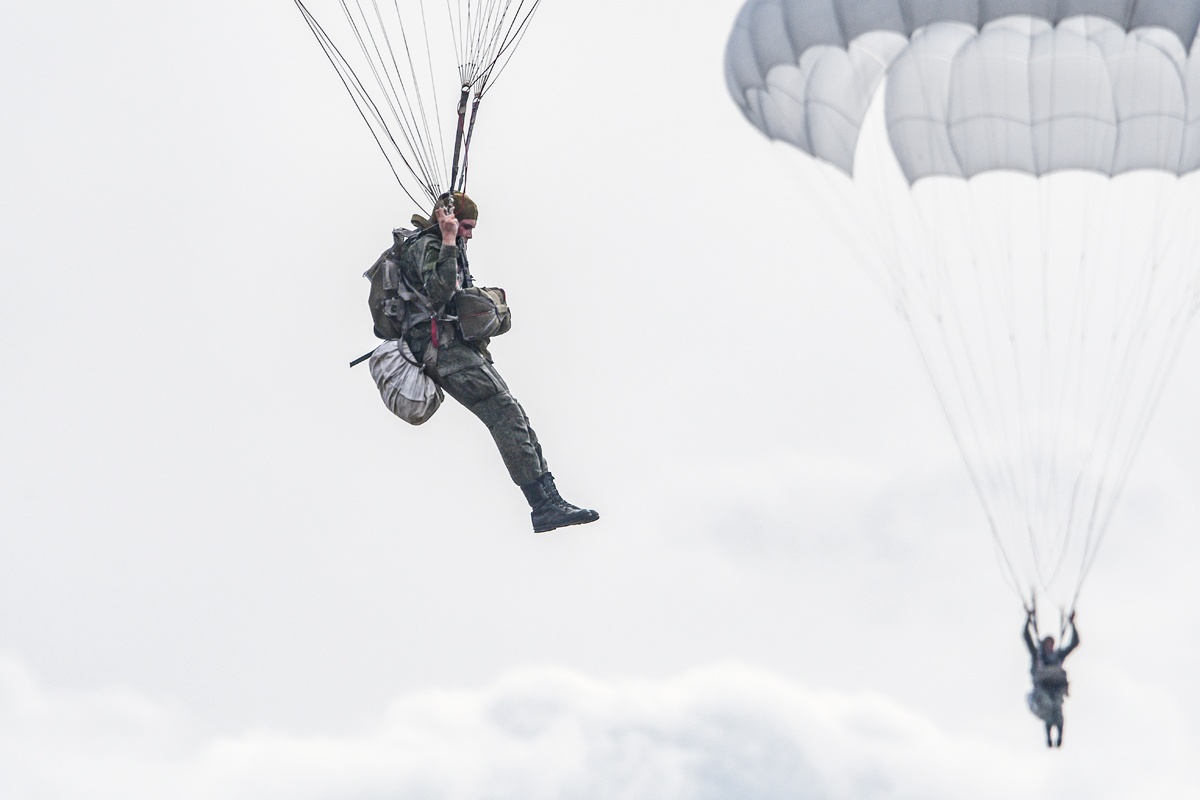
point(448, 224)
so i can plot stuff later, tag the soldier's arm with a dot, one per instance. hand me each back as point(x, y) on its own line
point(439, 266)
point(1029, 639)
point(1074, 641)
point(439, 271)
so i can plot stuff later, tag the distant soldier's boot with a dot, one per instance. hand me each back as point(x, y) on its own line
point(550, 511)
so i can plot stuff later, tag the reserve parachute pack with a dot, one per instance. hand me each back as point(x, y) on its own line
point(1051, 677)
point(482, 313)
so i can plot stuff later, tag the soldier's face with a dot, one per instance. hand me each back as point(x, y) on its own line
point(466, 228)
point(1048, 644)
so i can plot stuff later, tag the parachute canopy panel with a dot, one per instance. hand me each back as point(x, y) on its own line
point(976, 85)
point(1037, 99)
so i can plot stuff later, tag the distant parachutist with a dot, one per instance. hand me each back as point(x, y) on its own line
point(1050, 684)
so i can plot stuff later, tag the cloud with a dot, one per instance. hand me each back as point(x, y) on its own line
point(796, 506)
point(726, 732)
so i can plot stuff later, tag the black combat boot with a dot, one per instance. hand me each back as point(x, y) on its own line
point(550, 511)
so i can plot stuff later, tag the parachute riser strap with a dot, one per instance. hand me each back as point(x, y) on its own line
point(462, 183)
point(458, 140)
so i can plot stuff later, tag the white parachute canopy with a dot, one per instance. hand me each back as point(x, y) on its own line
point(417, 71)
point(1021, 177)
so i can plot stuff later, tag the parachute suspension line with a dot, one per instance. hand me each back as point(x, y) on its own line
point(902, 267)
point(1046, 440)
point(432, 76)
point(1136, 317)
point(1043, 486)
point(1012, 417)
point(1008, 264)
point(1068, 419)
point(894, 270)
point(1066, 541)
point(396, 98)
point(902, 262)
point(488, 46)
point(1179, 322)
point(398, 101)
point(1000, 270)
point(1021, 484)
point(969, 433)
point(815, 177)
point(509, 43)
point(1052, 533)
point(363, 103)
point(483, 33)
point(1113, 402)
point(884, 238)
point(1092, 269)
point(486, 32)
point(425, 144)
point(1076, 331)
point(408, 140)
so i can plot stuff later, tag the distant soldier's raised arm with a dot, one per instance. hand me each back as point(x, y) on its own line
point(1066, 651)
point(1028, 636)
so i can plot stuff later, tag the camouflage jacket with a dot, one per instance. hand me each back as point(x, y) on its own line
point(431, 268)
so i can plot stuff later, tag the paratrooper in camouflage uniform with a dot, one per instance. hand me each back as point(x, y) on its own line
point(434, 265)
point(1050, 684)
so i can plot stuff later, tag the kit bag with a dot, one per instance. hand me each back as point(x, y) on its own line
point(482, 313)
point(406, 390)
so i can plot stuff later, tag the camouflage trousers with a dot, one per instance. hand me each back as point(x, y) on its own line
point(469, 377)
point(1046, 705)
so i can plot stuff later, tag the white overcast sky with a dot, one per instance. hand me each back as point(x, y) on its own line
point(227, 572)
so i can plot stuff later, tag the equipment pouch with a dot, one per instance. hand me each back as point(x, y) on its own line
point(482, 313)
point(406, 389)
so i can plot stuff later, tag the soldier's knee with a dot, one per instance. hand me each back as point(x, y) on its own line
point(498, 409)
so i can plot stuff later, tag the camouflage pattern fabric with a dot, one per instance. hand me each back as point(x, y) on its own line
point(464, 369)
point(1046, 705)
point(433, 269)
point(468, 376)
